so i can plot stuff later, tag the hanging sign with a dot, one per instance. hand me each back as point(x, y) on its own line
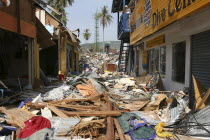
point(158, 40)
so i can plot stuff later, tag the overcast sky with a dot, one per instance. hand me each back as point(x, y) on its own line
point(81, 15)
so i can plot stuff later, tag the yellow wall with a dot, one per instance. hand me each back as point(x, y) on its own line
point(161, 9)
point(62, 57)
point(74, 53)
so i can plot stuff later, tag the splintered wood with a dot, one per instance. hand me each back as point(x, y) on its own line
point(89, 129)
point(87, 90)
point(58, 112)
point(17, 115)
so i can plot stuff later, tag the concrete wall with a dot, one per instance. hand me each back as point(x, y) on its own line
point(182, 32)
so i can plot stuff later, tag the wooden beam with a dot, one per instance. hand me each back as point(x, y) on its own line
point(198, 92)
point(206, 96)
point(58, 112)
point(110, 135)
point(76, 107)
point(93, 113)
point(119, 129)
point(78, 100)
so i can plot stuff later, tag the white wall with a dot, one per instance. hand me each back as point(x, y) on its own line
point(183, 32)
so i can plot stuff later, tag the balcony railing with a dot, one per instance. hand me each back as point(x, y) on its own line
point(124, 24)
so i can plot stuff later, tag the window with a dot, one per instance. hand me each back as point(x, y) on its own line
point(178, 62)
point(157, 61)
point(163, 61)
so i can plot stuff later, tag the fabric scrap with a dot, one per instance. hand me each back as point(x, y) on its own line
point(43, 134)
point(160, 132)
point(33, 125)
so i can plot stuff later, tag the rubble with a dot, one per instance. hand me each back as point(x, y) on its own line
point(101, 104)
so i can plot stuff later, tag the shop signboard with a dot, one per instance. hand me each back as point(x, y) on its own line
point(150, 16)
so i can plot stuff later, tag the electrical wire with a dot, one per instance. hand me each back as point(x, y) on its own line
point(188, 124)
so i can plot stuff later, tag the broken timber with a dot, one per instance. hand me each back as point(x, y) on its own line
point(57, 112)
point(93, 113)
point(110, 135)
point(119, 129)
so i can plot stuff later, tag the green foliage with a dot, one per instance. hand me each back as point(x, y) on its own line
point(60, 6)
point(86, 34)
point(63, 3)
point(104, 17)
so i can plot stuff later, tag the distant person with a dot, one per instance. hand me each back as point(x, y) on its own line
point(4, 3)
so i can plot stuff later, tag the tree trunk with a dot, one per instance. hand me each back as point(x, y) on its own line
point(86, 46)
point(103, 41)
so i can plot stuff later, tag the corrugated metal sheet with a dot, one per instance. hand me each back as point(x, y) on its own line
point(201, 117)
point(201, 57)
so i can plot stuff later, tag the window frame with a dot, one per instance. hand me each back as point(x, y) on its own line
point(173, 65)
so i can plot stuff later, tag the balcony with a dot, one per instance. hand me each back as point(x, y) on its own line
point(124, 26)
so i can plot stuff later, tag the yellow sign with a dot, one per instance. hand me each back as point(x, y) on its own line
point(159, 40)
point(150, 16)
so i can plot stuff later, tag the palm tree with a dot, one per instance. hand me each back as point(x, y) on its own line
point(64, 3)
point(105, 18)
point(86, 36)
point(60, 6)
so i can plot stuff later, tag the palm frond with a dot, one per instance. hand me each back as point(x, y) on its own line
point(86, 34)
point(104, 17)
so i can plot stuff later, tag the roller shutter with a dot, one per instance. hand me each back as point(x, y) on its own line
point(200, 57)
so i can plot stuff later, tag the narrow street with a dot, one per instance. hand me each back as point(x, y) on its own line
point(104, 70)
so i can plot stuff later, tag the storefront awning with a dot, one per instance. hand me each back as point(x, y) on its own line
point(44, 38)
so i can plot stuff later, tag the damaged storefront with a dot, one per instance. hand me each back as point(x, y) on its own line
point(59, 53)
point(14, 59)
point(17, 45)
point(175, 37)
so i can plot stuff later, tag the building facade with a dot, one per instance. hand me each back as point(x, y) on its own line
point(126, 51)
point(62, 57)
point(18, 36)
point(172, 37)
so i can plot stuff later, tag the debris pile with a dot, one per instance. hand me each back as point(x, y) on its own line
point(105, 106)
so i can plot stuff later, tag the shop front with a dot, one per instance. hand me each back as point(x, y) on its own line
point(176, 41)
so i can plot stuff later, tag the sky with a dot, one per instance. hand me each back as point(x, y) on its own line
point(81, 15)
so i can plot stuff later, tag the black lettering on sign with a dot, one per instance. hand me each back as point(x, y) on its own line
point(163, 14)
point(158, 17)
point(170, 12)
point(184, 4)
point(189, 2)
point(178, 5)
point(154, 23)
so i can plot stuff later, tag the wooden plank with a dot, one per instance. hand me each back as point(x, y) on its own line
point(110, 135)
point(8, 122)
point(119, 129)
point(76, 107)
point(78, 100)
point(10, 23)
point(136, 105)
point(198, 92)
point(57, 112)
point(206, 96)
point(17, 115)
point(93, 113)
